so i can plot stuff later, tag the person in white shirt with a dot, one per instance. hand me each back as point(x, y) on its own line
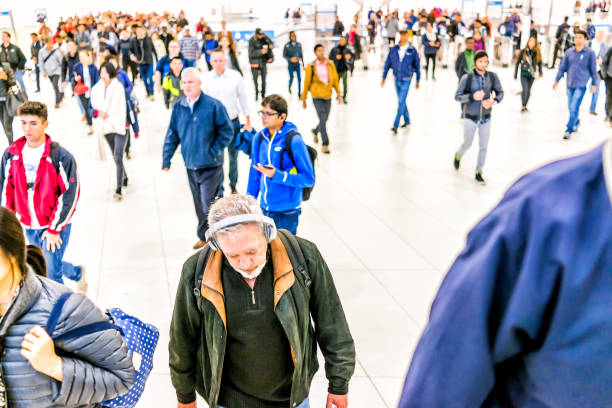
point(599, 47)
point(108, 102)
point(227, 86)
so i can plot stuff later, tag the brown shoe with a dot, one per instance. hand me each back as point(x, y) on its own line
point(325, 149)
point(199, 245)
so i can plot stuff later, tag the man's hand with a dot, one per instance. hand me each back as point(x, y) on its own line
point(594, 89)
point(304, 104)
point(338, 57)
point(555, 85)
point(158, 87)
point(479, 95)
point(190, 405)
point(339, 99)
point(103, 115)
point(247, 125)
point(264, 51)
point(294, 59)
point(3, 75)
point(265, 171)
point(77, 77)
point(488, 103)
point(418, 85)
point(38, 348)
point(254, 65)
point(339, 401)
point(54, 242)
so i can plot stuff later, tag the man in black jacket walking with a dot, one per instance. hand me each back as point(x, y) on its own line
point(292, 52)
point(562, 38)
point(260, 54)
point(343, 58)
point(12, 54)
point(142, 52)
point(34, 49)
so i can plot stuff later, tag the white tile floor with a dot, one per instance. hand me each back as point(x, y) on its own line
point(389, 213)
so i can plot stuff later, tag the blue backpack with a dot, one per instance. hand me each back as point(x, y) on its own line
point(140, 339)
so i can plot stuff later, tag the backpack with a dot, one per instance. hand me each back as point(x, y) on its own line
point(296, 256)
point(139, 338)
point(312, 154)
point(54, 154)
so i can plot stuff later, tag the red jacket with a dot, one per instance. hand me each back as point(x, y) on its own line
point(56, 191)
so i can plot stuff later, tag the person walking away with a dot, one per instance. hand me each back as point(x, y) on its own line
point(403, 59)
point(50, 64)
point(7, 80)
point(260, 55)
point(431, 45)
point(479, 90)
point(190, 48)
point(200, 124)
point(165, 36)
point(125, 45)
point(259, 313)
point(227, 86)
point(143, 53)
point(171, 83)
point(354, 40)
point(338, 28)
point(84, 77)
point(529, 62)
point(35, 47)
point(320, 78)
point(599, 47)
point(606, 72)
point(12, 54)
point(392, 27)
point(464, 64)
point(561, 37)
point(92, 368)
point(40, 183)
point(343, 58)
point(580, 65)
point(109, 105)
point(277, 177)
point(292, 52)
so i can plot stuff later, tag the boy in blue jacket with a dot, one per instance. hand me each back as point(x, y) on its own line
point(274, 177)
point(523, 317)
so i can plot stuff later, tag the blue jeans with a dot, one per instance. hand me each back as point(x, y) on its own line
point(402, 88)
point(285, 219)
point(304, 404)
point(19, 78)
point(190, 63)
point(146, 72)
point(233, 159)
point(574, 99)
point(295, 69)
point(56, 267)
point(594, 96)
point(37, 71)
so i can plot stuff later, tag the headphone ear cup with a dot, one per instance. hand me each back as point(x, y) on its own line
point(270, 232)
point(212, 243)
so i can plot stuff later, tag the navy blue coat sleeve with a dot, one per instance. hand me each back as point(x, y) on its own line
point(493, 304)
point(172, 139)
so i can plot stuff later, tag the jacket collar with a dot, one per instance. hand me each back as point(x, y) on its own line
point(607, 166)
point(28, 295)
point(212, 287)
point(17, 147)
point(185, 101)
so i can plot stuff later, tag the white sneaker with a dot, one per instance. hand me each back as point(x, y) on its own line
point(81, 285)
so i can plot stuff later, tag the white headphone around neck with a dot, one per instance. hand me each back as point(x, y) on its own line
point(268, 224)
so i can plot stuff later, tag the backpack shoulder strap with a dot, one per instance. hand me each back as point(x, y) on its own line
point(296, 256)
point(468, 82)
point(55, 155)
point(199, 272)
point(287, 147)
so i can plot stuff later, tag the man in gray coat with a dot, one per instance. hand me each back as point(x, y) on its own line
point(50, 63)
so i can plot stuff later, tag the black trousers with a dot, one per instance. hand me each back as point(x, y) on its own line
point(555, 55)
point(526, 83)
point(431, 57)
point(609, 96)
point(7, 122)
point(59, 95)
point(117, 146)
point(257, 72)
point(204, 185)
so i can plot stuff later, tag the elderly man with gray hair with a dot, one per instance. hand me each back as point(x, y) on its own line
point(242, 331)
point(201, 126)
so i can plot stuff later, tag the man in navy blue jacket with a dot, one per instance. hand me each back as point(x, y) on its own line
point(201, 126)
point(404, 60)
point(277, 177)
point(523, 317)
point(580, 65)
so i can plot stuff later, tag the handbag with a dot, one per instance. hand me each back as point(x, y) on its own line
point(14, 99)
point(80, 88)
point(139, 338)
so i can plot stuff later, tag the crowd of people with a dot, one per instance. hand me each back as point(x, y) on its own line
point(198, 76)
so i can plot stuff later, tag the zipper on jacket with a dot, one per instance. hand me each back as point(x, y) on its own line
point(265, 196)
point(253, 296)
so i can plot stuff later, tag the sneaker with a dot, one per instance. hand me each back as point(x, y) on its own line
point(523, 109)
point(128, 156)
point(325, 149)
point(593, 113)
point(479, 178)
point(405, 125)
point(125, 182)
point(344, 100)
point(37, 91)
point(81, 285)
point(566, 135)
point(117, 196)
point(234, 190)
point(394, 130)
point(199, 245)
point(57, 105)
point(315, 135)
point(456, 163)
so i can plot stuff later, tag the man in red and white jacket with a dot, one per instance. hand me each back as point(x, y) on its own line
point(39, 182)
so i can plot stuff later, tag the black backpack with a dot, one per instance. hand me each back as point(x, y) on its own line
point(312, 153)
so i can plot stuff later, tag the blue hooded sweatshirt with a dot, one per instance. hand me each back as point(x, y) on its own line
point(524, 317)
point(283, 192)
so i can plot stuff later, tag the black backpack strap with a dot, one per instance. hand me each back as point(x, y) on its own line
point(287, 148)
point(296, 256)
point(199, 273)
point(55, 156)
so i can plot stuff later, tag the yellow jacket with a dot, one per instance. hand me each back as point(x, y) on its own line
point(317, 88)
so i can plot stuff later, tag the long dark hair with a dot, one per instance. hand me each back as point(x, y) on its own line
point(13, 246)
point(536, 49)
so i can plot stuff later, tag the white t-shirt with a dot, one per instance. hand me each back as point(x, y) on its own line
point(31, 160)
point(402, 51)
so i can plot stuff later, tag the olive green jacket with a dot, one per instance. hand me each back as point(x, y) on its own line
point(198, 330)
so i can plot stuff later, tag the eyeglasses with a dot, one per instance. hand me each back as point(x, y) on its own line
point(268, 114)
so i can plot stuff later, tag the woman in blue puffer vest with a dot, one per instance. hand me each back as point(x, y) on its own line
point(92, 368)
